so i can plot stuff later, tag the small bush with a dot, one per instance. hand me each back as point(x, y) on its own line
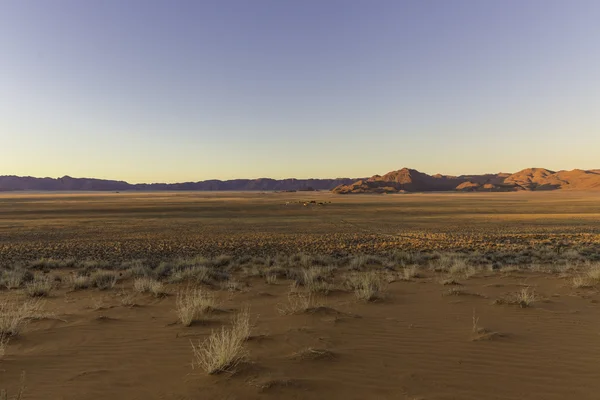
point(14, 317)
point(78, 282)
point(593, 272)
point(525, 298)
point(367, 286)
point(582, 282)
point(192, 303)
point(41, 286)
point(224, 349)
point(103, 280)
point(271, 279)
point(149, 285)
point(409, 272)
point(297, 303)
point(14, 279)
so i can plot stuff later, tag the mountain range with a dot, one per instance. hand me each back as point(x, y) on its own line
point(530, 179)
point(402, 180)
point(66, 183)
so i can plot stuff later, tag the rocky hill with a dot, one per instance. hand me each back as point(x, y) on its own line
point(410, 180)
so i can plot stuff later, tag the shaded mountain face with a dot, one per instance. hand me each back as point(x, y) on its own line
point(67, 183)
point(410, 180)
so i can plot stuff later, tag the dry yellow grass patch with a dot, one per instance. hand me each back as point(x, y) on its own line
point(367, 286)
point(224, 349)
point(523, 298)
point(191, 303)
point(14, 316)
point(298, 302)
point(41, 286)
point(582, 281)
point(78, 282)
point(149, 285)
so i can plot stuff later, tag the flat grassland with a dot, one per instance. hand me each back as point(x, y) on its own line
point(301, 295)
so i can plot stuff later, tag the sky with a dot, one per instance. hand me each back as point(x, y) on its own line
point(172, 91)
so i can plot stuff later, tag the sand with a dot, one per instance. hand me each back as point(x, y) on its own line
point(416, 343)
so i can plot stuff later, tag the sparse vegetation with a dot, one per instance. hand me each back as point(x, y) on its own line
point(192, 303)
point(41, 286)
point(103, 280)
point(14, 316)
point(78, 282)
point(409, 272)
point(367, 286)
point(523, 298)
point(224, 349)
point(298, 302)
point(149, 285)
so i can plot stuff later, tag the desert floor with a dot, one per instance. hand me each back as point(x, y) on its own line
point(483, 296)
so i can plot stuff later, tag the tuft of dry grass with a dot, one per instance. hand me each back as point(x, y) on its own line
point(271, 279)
point(103, 280)
point(582, 281)
point(593, 272)
point(223, 350)
point(14, 279)
point(4, 339)
point(409, 272)
point(127, 298)
point(14, 317)
point(298, 303)
point(78, 282)
point(367, 286)
point(41, 286)
point(149, 285)
point(523, 298)
point(192, 303)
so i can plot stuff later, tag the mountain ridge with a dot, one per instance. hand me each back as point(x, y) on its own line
point(398, 181)
point(67, 183)
point(529, 179)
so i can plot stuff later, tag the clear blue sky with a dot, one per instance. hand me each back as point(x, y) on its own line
point(148, 90)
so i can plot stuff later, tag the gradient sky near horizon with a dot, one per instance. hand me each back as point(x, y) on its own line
point(149, 90)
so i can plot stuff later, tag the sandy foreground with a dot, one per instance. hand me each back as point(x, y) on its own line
point(423, 340)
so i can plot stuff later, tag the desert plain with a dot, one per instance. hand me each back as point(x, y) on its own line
point(305, 295)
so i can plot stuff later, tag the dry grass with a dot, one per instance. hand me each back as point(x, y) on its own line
point(409, 272)
point(41, 286)
point(271, 279)
point(582, 281)
point(4, 339)
point(14, 316)
point(103, 280)
point(191, 303)
point(593, 273)
point(523, 298)
point(223, 350)
point(78, 282)
point(14, 279)
point(367, 286)
point(149, 285)
point(298, 303)
point(127, 298)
